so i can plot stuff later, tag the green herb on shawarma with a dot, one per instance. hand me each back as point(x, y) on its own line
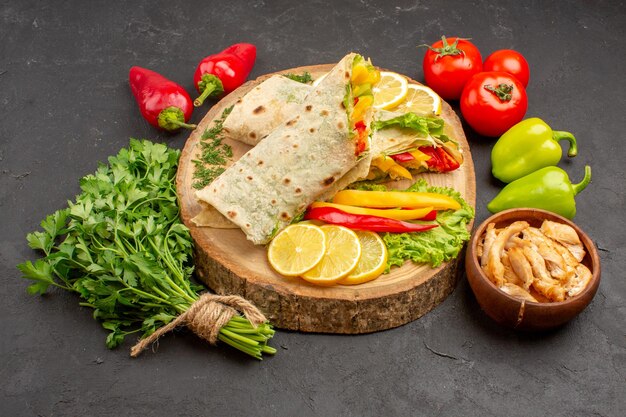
point(122, 247)
point(304, 78)
point(213, 153)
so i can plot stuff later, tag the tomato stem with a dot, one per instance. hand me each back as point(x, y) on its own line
point(502, 91)
point(446, 49)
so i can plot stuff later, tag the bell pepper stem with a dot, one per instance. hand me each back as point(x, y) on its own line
point(172, 118)
point(446, 48)
point(209, 86)
point(586, 180)
point(573, 147)
point(189, 126)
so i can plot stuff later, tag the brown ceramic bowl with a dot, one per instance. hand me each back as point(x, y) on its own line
point(527, 315)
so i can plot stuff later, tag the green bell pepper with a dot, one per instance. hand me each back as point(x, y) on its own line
point(548, 188)
point(526, 147)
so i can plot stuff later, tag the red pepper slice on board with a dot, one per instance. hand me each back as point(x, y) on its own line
point(439, 159)
point(432, 215)
point(223, 72)
point(364, 222)
point(162, 102)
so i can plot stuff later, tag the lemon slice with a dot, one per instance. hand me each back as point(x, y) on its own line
point(421, 100)
point(296, 249)
point(343, 250)
point(373, 259)
point(390, 91)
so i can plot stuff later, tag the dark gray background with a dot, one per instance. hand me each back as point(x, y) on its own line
point(66, 105)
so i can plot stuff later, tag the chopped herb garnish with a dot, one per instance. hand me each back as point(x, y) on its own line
point(213, 154)
point(304, 78)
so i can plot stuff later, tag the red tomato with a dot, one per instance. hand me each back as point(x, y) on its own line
point(492, 102)
point(507, 60)
point(449, 64)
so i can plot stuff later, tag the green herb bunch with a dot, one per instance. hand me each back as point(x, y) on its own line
point(122, 247)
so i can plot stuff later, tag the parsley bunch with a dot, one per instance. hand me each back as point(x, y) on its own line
point(122, 247)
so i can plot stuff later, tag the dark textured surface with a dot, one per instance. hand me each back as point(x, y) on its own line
point(66, 105)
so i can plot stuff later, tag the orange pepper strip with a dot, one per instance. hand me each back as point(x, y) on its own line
point(388, 213)
point(391, 199)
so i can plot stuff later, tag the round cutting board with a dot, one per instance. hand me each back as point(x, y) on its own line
point(230, 264)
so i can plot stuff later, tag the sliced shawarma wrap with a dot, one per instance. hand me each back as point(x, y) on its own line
point(320, 148)
point(407, 145)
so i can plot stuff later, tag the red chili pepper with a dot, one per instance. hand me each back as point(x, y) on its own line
point(439, 159)
point(223, 72)
point(162, 102)
point(364, 222)
point(245, 51)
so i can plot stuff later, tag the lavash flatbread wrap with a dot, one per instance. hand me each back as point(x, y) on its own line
point(399, 150)
point(264, 108)
point(323, 146)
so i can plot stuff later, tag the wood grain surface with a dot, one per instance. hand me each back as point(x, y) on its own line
point(230, 264)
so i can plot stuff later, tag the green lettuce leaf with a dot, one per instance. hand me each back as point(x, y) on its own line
point(434, 246)
point(424, 125)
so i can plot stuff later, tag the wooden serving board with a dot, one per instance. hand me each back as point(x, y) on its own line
point(230, 264)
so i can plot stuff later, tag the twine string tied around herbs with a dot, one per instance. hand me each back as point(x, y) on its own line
point(205, 317)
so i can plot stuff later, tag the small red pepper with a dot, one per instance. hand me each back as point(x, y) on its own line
point(245, 51)
point(163, 103)
point(223, 72)
point(364, 222)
